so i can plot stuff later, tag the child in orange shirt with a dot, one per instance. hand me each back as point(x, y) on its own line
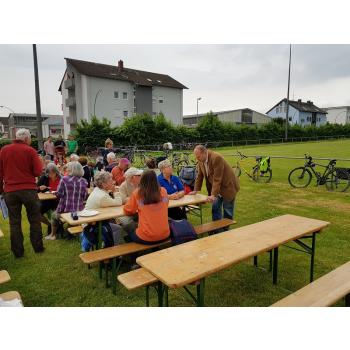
point(150, 201)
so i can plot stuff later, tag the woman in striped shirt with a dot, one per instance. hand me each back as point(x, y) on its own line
point(71, 192)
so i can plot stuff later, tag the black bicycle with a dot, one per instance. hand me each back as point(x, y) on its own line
point(335, 179)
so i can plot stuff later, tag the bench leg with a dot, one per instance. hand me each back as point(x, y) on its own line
point(275, 265)
point(100, 267)
point(200, 293)
point(160, 292)
point(115, 269)
point(166, 293)
point(255, 260)
point(347, 300)
point(147, 296)
point(99, 238)
point(312, 257)
point(270, 263)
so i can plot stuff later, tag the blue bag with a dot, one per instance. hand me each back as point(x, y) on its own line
point(90, 234)
point(181, 231)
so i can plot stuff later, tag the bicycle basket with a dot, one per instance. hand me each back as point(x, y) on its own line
point(264, 164)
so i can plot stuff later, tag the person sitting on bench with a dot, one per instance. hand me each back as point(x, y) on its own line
point(150, 201)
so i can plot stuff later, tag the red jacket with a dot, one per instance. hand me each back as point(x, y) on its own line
point(19, 165)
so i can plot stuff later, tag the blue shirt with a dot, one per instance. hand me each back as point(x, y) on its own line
point(172, 186)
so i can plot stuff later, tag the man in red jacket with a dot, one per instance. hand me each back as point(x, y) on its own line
point(19, 165)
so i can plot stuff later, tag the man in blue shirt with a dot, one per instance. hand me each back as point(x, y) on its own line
point(174, 188)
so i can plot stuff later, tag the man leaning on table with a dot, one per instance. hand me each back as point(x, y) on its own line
point(221, 182)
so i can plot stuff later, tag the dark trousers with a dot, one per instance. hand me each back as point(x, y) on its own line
point(14, 202)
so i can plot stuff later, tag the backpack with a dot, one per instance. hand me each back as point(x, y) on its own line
point(264, 164)
point(90, 234)
point(188, 175)
point(181, 231)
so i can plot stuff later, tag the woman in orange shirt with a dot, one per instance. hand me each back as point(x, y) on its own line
point(150, 201)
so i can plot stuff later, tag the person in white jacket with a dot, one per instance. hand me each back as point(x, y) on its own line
point(104, 195)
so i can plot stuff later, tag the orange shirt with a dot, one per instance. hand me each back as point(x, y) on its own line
point(153, 218)
point(118, 175)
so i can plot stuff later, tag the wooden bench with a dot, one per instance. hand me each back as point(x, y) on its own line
point(8, 296)
point(325, 291)
point(75, 230)
point(119, 251)
point(4, 276)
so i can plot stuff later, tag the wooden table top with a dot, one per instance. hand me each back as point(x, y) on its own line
point(189, 262)
point(115, 212)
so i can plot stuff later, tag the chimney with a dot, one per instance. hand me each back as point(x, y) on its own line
point(299, 101)
point(309, 102)
point(120, 66)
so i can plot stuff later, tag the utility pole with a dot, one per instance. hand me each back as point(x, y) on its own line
point(37, 99)
point(287, 108)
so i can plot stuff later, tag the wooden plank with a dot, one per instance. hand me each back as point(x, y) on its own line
point(75, 230)
point(4, 276)
point(115, 212)
point(10, 296)
point(213, 225)
point(136, 279)
point(129, 248)
point(325, 291)
point(186, 263)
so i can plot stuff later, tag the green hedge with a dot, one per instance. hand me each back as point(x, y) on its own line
point(146, 130)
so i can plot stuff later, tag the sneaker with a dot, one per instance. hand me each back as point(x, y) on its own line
point(50, 237)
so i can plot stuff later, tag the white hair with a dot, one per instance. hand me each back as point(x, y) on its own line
point(23, 134)
point(111, 156)
point(163, 164)
point(101, 178)
point(74, 157)
point(52, 167)
point(75, 169)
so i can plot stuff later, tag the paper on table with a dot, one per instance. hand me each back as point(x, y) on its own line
point(3, 207)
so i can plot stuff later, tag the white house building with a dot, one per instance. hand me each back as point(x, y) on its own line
point(235, 116)
point(116, 92)
point(338, 115)
point(302, 113)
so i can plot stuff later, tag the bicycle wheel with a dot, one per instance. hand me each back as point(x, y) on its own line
point(300, 177)
point(263, 177)
point(237, 170)
point(338, 181)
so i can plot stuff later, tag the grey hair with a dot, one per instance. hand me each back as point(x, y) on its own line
point(23, 134)
point(74, 157)
point(101, 178)
point(200, 148)
point(111, 156)
point(52, 167)
point(163, 164)
point(75, 169)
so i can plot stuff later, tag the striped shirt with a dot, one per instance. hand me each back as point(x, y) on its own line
point(72, 191)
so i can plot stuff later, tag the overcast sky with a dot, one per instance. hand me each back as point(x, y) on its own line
point(225, 76)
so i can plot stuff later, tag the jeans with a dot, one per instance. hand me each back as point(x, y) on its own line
point(222, 208)
point(14, 202)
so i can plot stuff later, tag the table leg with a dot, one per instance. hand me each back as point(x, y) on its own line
point(147, 296)
point(270, 263)
point(256, 260)
point(200, 293)
point(160, 291)
point(347, 300)
point(166, 292)
point(115, 269)
point(312, 257)
point(100, 267)
point(275, 265)
point(99, 238)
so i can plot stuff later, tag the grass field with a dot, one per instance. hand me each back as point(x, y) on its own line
point(58, 278)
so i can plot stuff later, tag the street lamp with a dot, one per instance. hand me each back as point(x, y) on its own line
point(198, 99)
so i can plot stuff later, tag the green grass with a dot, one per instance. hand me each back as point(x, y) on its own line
point(59, 278)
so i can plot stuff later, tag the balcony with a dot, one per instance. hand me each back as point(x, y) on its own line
point(70, 102)
point(69, 84)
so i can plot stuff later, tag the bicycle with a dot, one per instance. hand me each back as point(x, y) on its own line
point(261, 170)
point(335, 179)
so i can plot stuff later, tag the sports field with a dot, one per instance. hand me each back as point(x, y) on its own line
point(58, 277)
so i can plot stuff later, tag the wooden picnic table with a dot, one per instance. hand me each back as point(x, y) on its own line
point(115, 212)
point(181, 265)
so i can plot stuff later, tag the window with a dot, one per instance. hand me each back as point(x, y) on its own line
point(277, 110)
point(160, 100)
point(290, 119)
point(125, 95)
point(125, 113)
point(302, 120)
point(116, 94)
point(247, 116)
